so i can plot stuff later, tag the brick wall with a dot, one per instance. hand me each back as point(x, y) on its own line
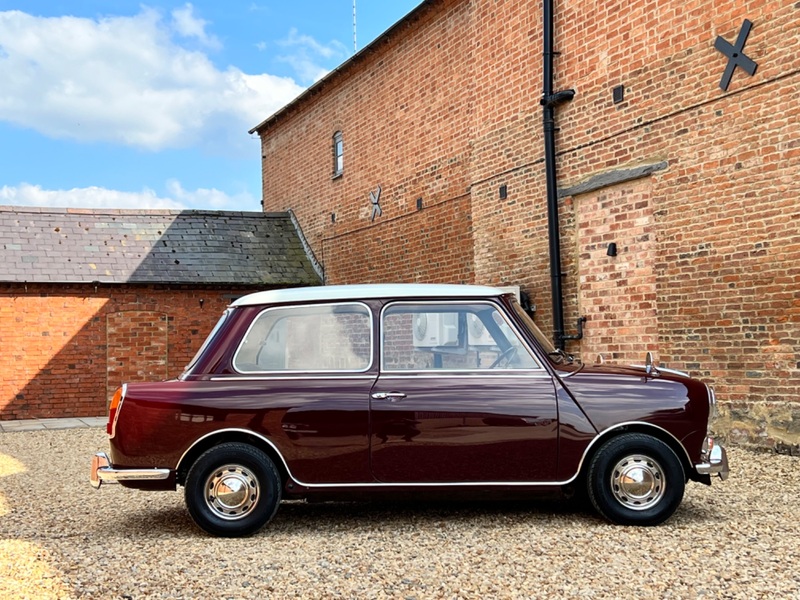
point(446, 107)
point(432, 245)
point(726, 218)
point(137, 346)
point(68, 347)
point(617, 295)
point(389, 142)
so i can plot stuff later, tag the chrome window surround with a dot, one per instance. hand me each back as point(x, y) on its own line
point(539, 369)
point(589, 447)
point(285, 372)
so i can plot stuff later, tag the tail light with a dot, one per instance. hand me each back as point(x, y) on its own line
point(113, 410)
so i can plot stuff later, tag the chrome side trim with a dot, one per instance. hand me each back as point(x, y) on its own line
point(295, 377)
point(378, 484)
point(102, 472)
point(466, 375)
point(375, 484)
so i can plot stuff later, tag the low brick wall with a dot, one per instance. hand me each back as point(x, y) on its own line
point(66, 348)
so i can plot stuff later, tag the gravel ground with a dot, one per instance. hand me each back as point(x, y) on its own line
point(59, 538)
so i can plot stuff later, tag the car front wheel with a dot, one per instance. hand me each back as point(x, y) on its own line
point(636, 479)
point(233, 490)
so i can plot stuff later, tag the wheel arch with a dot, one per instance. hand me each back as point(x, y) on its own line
point(242, 436)
point(636, 427)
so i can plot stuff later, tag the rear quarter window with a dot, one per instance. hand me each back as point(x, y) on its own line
point(318, 338)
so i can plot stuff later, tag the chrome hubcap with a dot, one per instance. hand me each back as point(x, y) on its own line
point(232, 492)
point(637, 482)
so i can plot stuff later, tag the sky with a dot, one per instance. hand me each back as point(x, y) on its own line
point(147, 104)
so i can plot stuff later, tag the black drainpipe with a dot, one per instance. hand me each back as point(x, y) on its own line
point(549, 102)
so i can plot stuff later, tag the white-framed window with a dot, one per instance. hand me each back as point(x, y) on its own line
point(338, 154)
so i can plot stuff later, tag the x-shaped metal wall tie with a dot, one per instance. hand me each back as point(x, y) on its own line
point(736, 55)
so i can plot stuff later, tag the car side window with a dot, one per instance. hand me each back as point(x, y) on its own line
point(317, 338)
point(455, 337)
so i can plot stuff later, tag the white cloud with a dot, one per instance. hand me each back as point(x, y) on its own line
point(187, 25)
point(306, 54)
point(211, 198)
point(296, 39)
point(127, 80)
point(96, 197)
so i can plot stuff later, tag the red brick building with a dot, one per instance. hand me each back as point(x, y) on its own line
point(92, 299)
point(422, 159)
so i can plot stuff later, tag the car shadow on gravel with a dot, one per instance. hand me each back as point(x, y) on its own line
point(302, 518)
point(543, 513)
point(695, 513)
point(173, 522)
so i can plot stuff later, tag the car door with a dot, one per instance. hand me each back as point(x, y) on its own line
point(310, 369)
point(459, 398)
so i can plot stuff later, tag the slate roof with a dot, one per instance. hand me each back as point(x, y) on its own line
point(40, 245)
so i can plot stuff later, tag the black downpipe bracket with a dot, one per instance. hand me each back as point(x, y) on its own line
point(549, 102)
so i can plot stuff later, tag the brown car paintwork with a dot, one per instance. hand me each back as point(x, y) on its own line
point(528, 428)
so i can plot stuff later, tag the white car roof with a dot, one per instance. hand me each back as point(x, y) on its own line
point(372, 290)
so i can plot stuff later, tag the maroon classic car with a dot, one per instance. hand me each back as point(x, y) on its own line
point(376, 390)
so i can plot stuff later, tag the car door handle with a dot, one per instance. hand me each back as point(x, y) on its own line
point(390, 396)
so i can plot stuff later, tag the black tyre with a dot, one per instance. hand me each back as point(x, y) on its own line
point(233, 490)
point(635, 479)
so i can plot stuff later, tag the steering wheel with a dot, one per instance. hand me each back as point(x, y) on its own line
point(506, 355)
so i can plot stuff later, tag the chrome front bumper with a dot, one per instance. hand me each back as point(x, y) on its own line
point(715, 460)
point(102, 472)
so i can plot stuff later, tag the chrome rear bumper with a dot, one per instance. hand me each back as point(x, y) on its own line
point(102, 472)
point(715, 460)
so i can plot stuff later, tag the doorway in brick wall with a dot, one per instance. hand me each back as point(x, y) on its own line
point(617, 294)
point(137, 348)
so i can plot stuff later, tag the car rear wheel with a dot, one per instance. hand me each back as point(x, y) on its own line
point(636, 479)
point(233, 490)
